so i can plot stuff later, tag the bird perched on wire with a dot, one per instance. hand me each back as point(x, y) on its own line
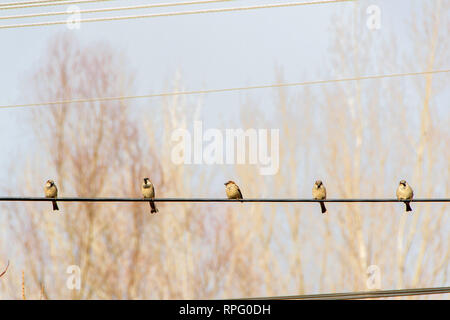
point(405, 192)
point(320, 193)
point(148, 191)
point(51, 191)
point(233, 191)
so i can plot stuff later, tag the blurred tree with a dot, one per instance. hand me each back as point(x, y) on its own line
point(359, 137)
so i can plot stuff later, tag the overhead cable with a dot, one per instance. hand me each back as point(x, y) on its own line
point(177, 13)
point(219, 90)
point(144, 6)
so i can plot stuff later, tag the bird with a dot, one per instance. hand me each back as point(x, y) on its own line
point(320, 193)
point(148, 191)
point(233, 191)
point(51, 191)
point(405, 192)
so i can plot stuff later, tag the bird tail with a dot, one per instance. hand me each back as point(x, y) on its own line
point(55, 206)
point(408, 207)
point(153, 207)
point(322, 206)
point(240, 196)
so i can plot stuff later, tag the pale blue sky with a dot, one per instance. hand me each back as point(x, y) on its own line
point(209, 50)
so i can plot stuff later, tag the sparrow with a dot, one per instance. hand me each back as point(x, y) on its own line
point(148, 191)
point(51, 192)
point(233, 191)
point(404, 192)
point(320, 193)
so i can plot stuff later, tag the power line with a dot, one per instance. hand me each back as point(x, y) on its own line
point(145, 6)
point(34, 4)
point(220, 90)
point(168, 14)
point(278, 200)
point(28, 2)
point(360, 295)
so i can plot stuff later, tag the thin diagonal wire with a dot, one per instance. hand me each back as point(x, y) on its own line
point(34, 4)
point(295, 200)
point(359, 295)
point(169, 14)
point(144, 6)
point(28, 2)
point(220, 90)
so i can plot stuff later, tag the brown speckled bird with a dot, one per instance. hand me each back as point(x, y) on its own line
point(233, 191)
point(148, 191)
point(405, 192)
point(320, 193)
point(51, 191)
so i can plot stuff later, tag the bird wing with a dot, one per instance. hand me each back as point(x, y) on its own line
point(240, 193)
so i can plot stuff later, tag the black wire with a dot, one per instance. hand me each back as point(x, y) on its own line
point(75, 199)
point(360, 295)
